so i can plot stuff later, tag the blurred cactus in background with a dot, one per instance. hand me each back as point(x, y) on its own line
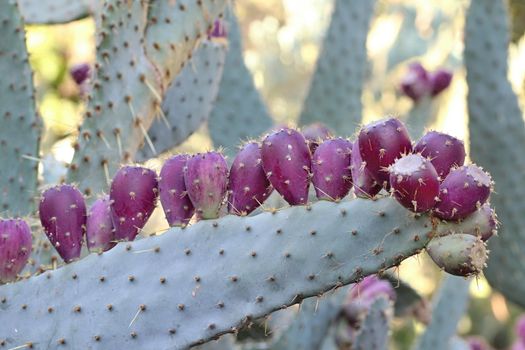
point(122, 227)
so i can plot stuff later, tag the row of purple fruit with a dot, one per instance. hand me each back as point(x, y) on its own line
point(427, 176)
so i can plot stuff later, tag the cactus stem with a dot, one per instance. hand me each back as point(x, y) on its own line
point(163, 117)
point(152, 89)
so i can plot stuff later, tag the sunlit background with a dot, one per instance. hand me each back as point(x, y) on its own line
point(282, 41)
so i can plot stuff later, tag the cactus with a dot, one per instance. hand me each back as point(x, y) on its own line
point(337, 84)
point(256, 265)
point(20, 131)
point(56, 11)
point(374, 329)
point(310, 327)
point(188, 101)
point(239, 112)
point(449, 304)
point(123, 101)
point(497, 136)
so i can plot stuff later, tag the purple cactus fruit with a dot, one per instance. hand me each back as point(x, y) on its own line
point(63, 216)
point(286, 160)
point(439, 80)
point(416, 83)
point(218, 30)
point(332, 177)
point(206, 179)
point(477, 343)
point(520, 328)
point(315, 134)
point(15, 248)
point(445, 151)
point(133, 197)
point(463, 191)
point(176, 203)
point(248, 184)
point(380, 144)
point(100, 233)
point(80, 72)
point(415, 183)
point(458, 254)
point(365, 186)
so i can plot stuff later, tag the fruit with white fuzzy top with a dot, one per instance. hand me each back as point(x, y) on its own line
point(414, 182)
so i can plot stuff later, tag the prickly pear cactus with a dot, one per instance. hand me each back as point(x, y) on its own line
point(310, 327)
point(239, 112)
point(56, 11)
point(188, 101)
point(255, 265)
point(497, 136)
point(449, 305)
point(20, 131)
point(337, 84)
point(374, 332)
point(128, 86)
point(422, 115)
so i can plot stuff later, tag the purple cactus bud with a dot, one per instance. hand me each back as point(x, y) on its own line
point(415, 182)
point(463, 191)
point(365, 186)
point(458, 254)
point(133, 197)
point(315, 134)
point(206, 179)
point(15, 248)
point(444, 151)
point(100, 233)
point(520, 328)
point(63, 216)
point(440, 80)
point(80, 72)
point(416, 83)
point(218, 30)
point(176, 203)
point(332, 177)
point(286, 160)
point(363, 294)
point(248, 184)
point(477, 343)
point(380, 143)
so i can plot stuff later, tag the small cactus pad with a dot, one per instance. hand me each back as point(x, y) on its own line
point(56, 11)
point(188, 101)
point(239, 111)
point(100, 233)
point(206, 179)
point(21, 126)
point(173, 196)
point(332, 177)
point(334, 96)
point(315, 134)
point(365, 186)
point(15, 248)
point(248, 185)
point(458, 254)
point(63, 215)
point(133, 197)
point(286, 160)
point(444, 151)
point(380, 144)
point(463, 191)
point(415, 182)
